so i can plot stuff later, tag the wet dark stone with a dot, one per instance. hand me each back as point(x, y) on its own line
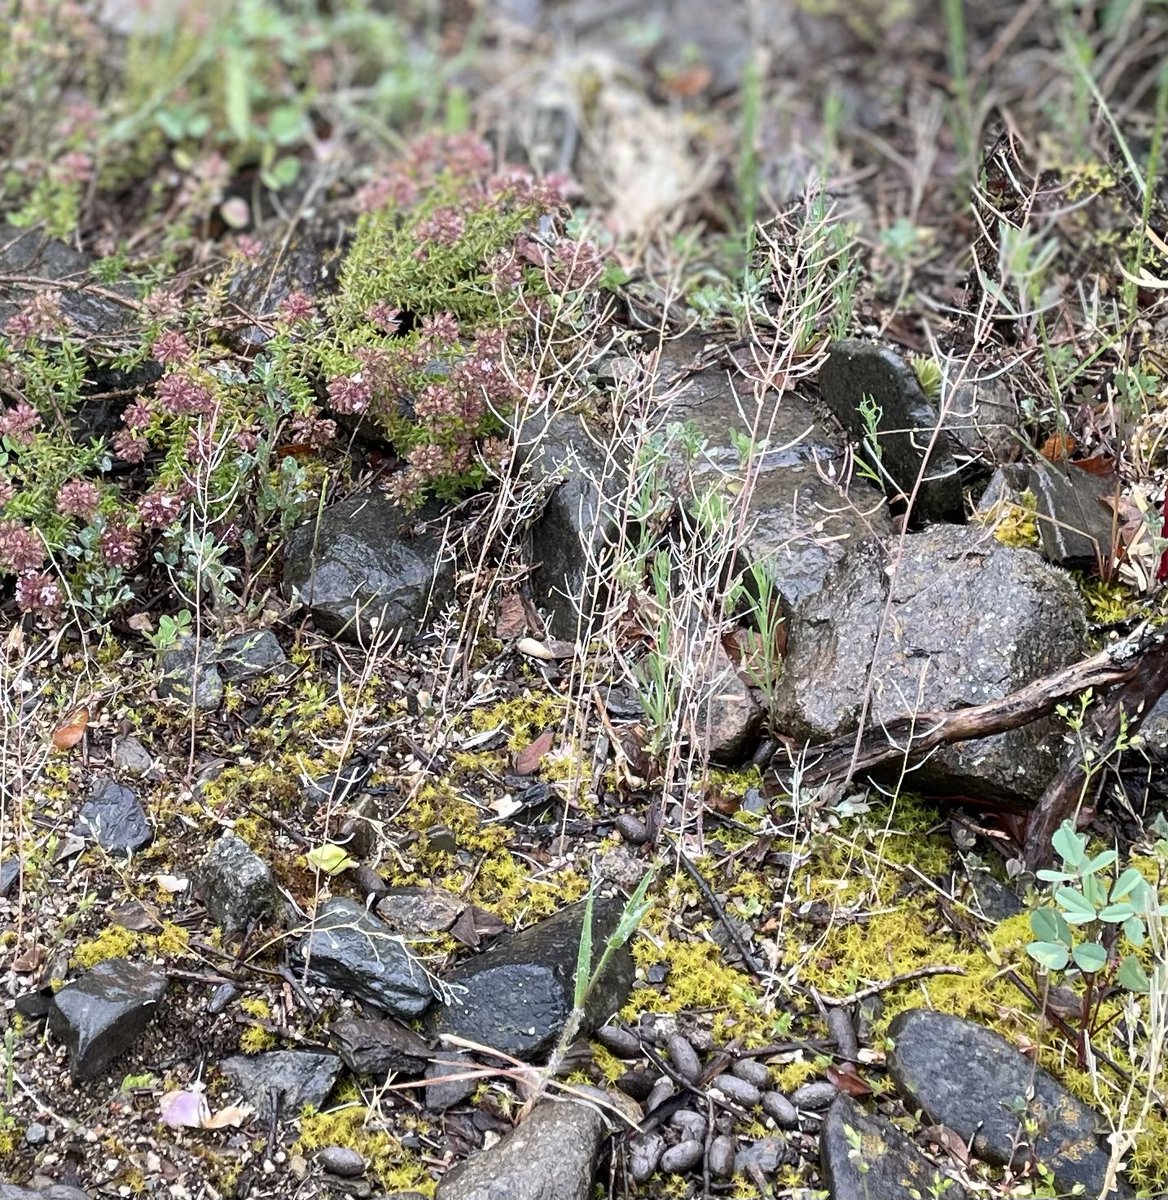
point(722, 1152)
point(351, 950)
point(888, 1164)
point(689, 1123)
point(904, 426)
point(244, 655)
point(290, 1079)
point(225, 994)
point(370, 1047)
point(101, 1014)
point(817, 1094)
point(516, 996)
point(1074, 513)
point(645, 1153)
point(420, 910)
point(365, 557)
point(973, 1081)
point(738, 1090)
point(752, 1071)
point(446, 1091)
point(342, 1161)
point(551, 1154)
point(34, 1005)
point(638, 1084)
point(780, 1110)
point(113, 817)
point(974, 621)
point(843, 1032)
point(237, 886)
point(621, 1042)
point(767, 1155)
point(189, 674)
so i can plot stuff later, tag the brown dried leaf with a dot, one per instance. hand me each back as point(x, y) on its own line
point(512, 619)
point(528, 759)
point(71, 728)
point(847, 1079)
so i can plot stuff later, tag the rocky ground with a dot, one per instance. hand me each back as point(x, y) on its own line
point(581, 602)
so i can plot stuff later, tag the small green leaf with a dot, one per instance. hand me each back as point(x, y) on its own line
point(1130, 884)
point(281, 173)
point(1104, 859)
point(237, 99)
point(1133, 930)
point(286, 124)
point(1089, 957)
point(1132, 975)
point(1050, 955)
point(584, 953)
point(1044, 923)
point(1056, 876)
point(1071, 846)
point(330, 859)
point(1116, 914)
point(1077, 909)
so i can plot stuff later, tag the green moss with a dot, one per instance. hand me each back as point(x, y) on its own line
point(1013, 524)
point(355, 1126)
point(112, 942)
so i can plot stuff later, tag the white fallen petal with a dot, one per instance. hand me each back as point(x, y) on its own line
point(534, 649)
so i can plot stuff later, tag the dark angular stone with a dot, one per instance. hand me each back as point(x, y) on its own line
point(517, 996)
point(113, 817)
point(904, 426)
point(236, 886)
point(9, 874)
point(351, 950)
point(101, 1014)
point(364, 566)
point(370, 1047)
point(244, 655)
point(287, 1079)
point(189, 674)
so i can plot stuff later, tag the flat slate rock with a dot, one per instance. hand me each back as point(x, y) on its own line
point(373, 1047)
point(236, 885)
point(884, 1164)
point(287, 1079)
point(351, 950)
point(550, 1156)
point(516, 996)
point(973, 1081)
point(102, 1013)
point(113, 817)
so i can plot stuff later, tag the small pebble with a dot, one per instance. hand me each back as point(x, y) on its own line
point(752, 1071)
point(780, 1110)
point(814, 1096)
point(661, 1092)
point(632, 829)
point(342, 1161)
point(690, 1124)
point(645, 1155)
point(682, 1157)
point(224, 994)
point(36, 1133)
point(737, 1090)
point(619, 1041)
point(722, 1152)
point(683, 1057)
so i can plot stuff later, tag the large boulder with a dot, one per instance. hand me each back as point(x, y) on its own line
point(960, 620)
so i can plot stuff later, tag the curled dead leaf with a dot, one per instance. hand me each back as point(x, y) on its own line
point(529, 758)
point(71, 729)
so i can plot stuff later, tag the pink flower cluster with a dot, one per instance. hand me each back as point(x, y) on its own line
point(78, 498)
point(350, 394)
point(21, 549)
point(39, 318)
point(19, 422)
point(181, 396)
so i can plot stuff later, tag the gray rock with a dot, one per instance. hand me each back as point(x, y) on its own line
point(101, 1014)
point(1074, 513)
point(189, 674)
point(621, 1042)
point(516, 996)
point(9, 874)
point(420, 910)
point(780, 1110)
point(887, 1164)
point(691, 1125)
point(797, 523)
point(370, 1047)
point(969, 621)
point(351, 950)
point(236, 886)
point(132, 757)
point(342, 1161)
point(550, 1156)
point(727, 713)
point(813, 1096)
point(578, 521)
point(25, 252)
point(904, 425)
point(244, 655)
point(683, 1157)
point(281, 1082)
point(36, 1134)
point(446, 1089)
point(974, 1082)
point(753, 1072)
point(113, 817)
point(767, 1155)
point(364, 566)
